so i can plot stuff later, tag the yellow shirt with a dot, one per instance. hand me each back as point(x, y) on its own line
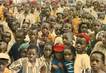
point(82, 62)
point(1, 12)
point(7, 70)
point(75, 22)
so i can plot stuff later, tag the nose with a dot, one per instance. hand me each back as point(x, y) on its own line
point(94, 63)
point(78, 45)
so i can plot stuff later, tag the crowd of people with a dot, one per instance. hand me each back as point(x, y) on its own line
point(53, 37)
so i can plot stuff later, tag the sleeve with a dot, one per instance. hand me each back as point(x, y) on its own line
point(16, 66)
point(86, 62)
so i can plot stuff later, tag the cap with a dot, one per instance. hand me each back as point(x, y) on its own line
point(58, 48)
point(5, 56)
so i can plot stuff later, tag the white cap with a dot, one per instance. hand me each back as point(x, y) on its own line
point(5, 56)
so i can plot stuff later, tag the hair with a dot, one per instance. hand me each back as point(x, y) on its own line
point(31, 46)
point(80, 25)
point(72, 49)
point(100, 53)
point(48, 43)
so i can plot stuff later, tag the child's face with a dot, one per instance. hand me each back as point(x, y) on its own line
point(48, 50)
point(102, 7)
point(80, 45)
point(33, 35)
point(68, 55)
point(84, 28)
point(101, 16)
point(7, 37)
point(96, 4)
point(96, 62)
point(104, 37)
point(23, 53)
point(97, 27)
point(32, 54)
point(88, 2)
point(20, 36)
point(59, 16)
point(3, 46)
point(58, 55)
point(79, 4)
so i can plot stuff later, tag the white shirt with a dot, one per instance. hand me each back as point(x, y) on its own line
point(26, 66)
point(82, 62)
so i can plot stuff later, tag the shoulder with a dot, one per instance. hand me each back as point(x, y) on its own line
point(101, 71)
point(98, 46)
point(99, 43)
point(7, 70)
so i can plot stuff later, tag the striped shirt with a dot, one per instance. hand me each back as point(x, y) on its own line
point(25, 66)
point(69, 66)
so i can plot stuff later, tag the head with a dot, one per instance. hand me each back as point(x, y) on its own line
point(88, 3)
point(68, 54)
point(4, 61)
point(101, 15)
point(79, 5)
point(32, 10)
point(25, 25)
point(67, 27)
point(14, 25)
point(80, 45)
point(3, 46)
point(60, 15)
point(66, 12)
point(97, 26)
point(47, 50)
point(33, 35)
point(23, 50)
point(96, 4)
point(101, 7)
point(20, 35)
point(32, 53)
point(104, 38)
point(97, 60)
point(51, 20)
point(83, 27)
point(7, 37)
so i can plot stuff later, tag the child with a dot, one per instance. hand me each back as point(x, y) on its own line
point(69, 60)
point(97, 60)
point(57, 62)
point(4, 61)
point(30, 64)
point(47, 57)
point(82, 61)
point(101, 47)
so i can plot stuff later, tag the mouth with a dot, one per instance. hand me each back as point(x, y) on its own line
point(94, 67)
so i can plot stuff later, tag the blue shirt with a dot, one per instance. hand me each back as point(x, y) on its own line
point(56, 62)
point(69, 66)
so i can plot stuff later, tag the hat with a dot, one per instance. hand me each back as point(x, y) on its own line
point(58, 48)
point(5, 56)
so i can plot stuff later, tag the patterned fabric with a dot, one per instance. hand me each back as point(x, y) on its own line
point(69, 66)
point(26, 67)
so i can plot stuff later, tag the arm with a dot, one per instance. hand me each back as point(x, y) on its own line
point(16, 66)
